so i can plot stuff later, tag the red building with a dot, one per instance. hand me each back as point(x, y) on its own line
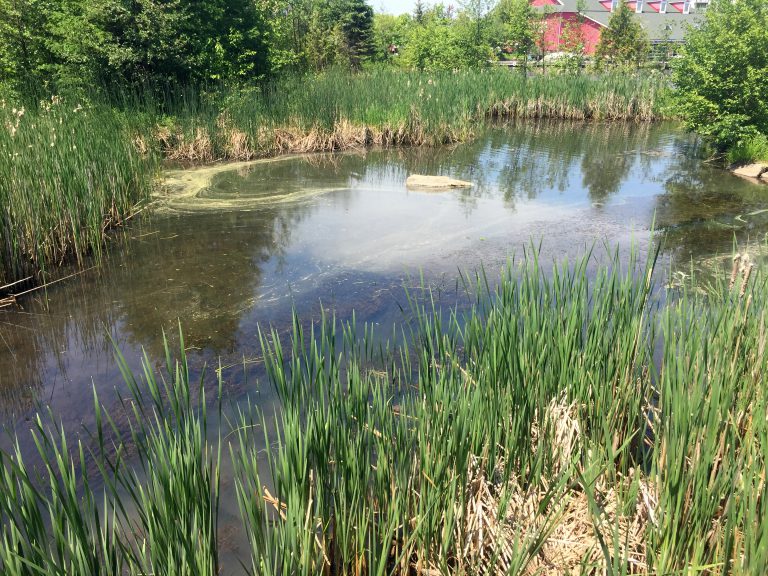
point(573, 25)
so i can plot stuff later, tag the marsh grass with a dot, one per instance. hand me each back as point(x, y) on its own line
point(336, 110)
point(569, 422)
point(751, 149)
point(68, 174)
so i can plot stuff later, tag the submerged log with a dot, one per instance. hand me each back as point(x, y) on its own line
point(421, 182)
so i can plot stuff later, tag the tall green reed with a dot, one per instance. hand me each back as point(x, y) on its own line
point(67, 175)
point(335, 110)
point(573, 419)
point(141, 500)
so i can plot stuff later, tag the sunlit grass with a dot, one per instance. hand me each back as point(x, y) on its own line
point(68, 174)
point(569, 422)
point(337, 110)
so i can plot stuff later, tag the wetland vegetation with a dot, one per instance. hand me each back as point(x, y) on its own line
point(566, 422)
point(589, 416)
point(70, 171)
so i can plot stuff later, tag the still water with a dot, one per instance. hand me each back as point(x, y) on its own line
point(338, 233)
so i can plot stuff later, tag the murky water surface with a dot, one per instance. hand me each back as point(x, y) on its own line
point(342, 232)
point(338, 233)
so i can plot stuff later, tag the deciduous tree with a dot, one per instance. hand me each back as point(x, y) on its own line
point(624, 42)
point(722, 77)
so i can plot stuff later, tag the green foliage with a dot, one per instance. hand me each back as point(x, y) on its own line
point(518, 19)
point(722, 92)
point(749, 149)
point(389, 31)
point(442, 44)
point(624, 42)
point(154, 41)
point(76, 44)
point(315, 34)
point(356, 18)
point(25, 53)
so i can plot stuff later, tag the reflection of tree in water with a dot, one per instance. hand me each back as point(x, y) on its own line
point(704, 208)
point(524, 159)
point(20, 369)
point(207, 274)
point(606, 162)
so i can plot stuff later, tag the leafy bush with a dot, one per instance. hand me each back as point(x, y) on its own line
point(722, 91)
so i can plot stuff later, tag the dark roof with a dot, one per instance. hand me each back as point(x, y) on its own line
point(672, 25)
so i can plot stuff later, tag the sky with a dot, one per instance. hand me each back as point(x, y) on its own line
point(392, 6)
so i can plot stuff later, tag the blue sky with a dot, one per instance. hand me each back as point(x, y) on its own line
point(392, 6)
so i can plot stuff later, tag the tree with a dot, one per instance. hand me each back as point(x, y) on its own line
point(78, 44)
point(518, 18)
point(341, 33)
point(390, 31)
point(720, 79)
point(357, 25)
point(443, 42)
point(25, 54)
point(418, 12)
point(286, 32)
point(624, 42)
point(431, 46)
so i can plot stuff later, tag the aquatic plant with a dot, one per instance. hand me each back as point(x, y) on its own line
point(388, 107)
point(68, 174)
point(751, 149)
point(568, 422)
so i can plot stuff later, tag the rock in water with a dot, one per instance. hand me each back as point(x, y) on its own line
point(421, 182)
point(751, 170)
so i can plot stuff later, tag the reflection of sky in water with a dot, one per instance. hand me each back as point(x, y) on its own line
point(224, 273)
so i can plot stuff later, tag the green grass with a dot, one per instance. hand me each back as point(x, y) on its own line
point(67, 175)
point(754, 149)
point(568, 421)
point(336, 110)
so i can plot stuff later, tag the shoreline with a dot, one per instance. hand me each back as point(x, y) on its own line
point(756, 172)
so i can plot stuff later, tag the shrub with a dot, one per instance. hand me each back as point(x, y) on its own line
point(720, 79)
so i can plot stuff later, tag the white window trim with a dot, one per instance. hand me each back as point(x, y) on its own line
point(663, 7)
point(639, 7)
point(687, 7)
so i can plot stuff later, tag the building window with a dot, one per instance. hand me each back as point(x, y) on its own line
point(639, 6)
point(687, 7)
point(663, 7)
point(614, 5)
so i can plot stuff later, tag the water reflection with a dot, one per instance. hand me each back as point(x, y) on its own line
point(705, 212)
point(341, 232)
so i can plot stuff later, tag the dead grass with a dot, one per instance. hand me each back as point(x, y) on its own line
point(237, 145)
point(573, 528)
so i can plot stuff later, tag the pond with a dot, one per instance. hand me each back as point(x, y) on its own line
point(240, 247)
point(342, 232)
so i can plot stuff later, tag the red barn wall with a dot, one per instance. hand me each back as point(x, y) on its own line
point(557, 24)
